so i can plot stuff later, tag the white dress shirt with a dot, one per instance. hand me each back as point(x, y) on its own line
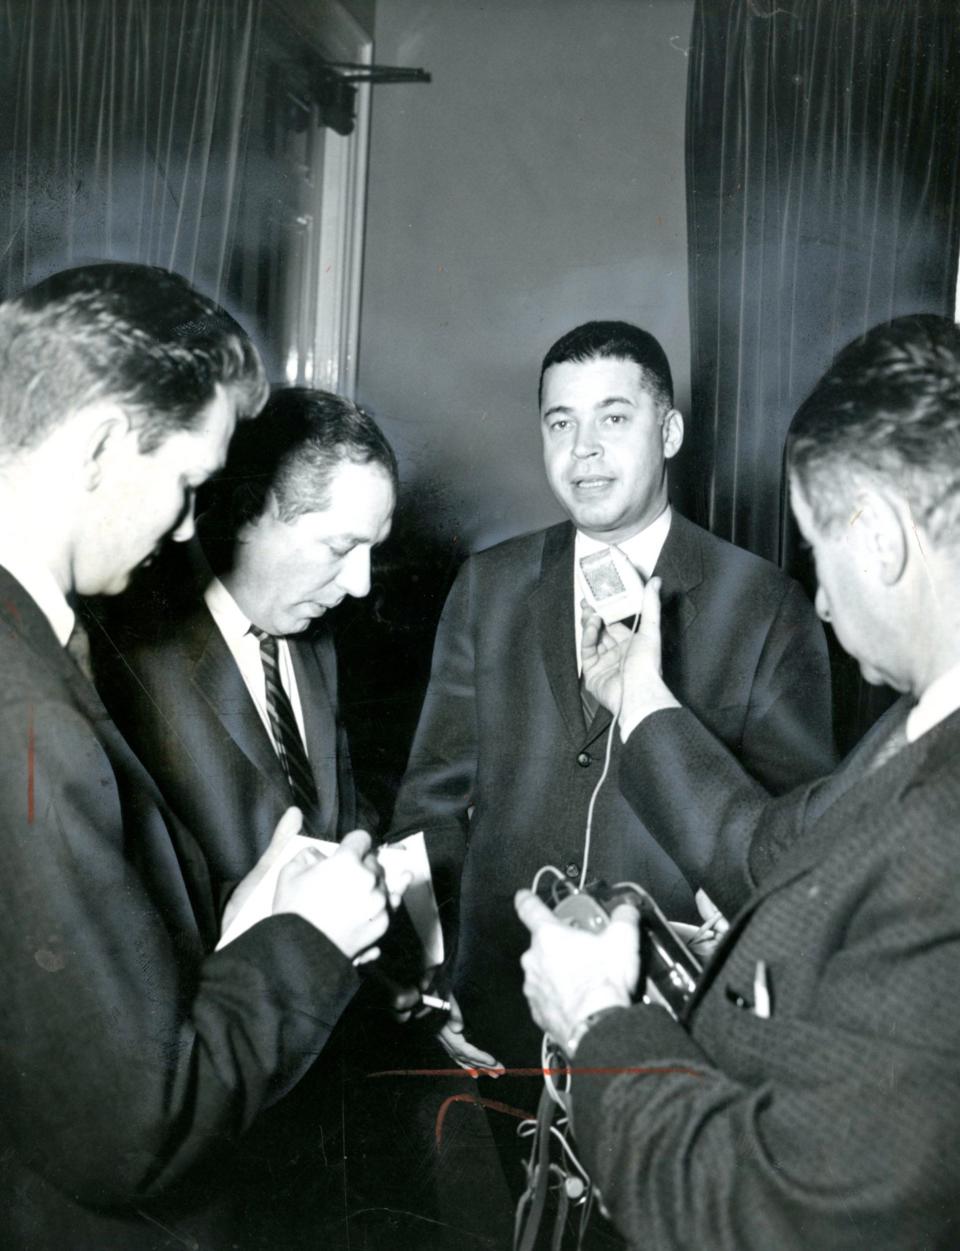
point(642, 550)
point(36, 579)
point(937, 702)
point(234, 625)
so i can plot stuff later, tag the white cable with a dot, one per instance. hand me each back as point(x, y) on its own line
point(607, 755)
point(547, 868)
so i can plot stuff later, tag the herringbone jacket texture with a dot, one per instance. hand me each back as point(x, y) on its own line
point(833, 1122)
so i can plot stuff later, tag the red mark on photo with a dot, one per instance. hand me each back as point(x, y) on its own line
point(467, 1096)
point(619, 1070)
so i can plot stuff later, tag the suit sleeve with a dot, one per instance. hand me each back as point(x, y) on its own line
point(439, 784)
point(788, 734)
point(126, 1056)
point(710, 807)
point(826, 1126)
point(709, 815)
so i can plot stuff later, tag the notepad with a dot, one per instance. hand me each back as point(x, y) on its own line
point(406, 870)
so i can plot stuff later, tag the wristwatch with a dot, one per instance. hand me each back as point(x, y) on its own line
point(588, 1022)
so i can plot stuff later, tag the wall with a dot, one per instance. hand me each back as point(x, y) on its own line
point(536, 183)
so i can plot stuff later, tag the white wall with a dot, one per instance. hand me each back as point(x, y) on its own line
point(536, 183)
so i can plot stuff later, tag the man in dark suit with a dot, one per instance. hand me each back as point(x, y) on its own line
point(810, 1096)
point(188, 666)
point(507, 756)
point(307, 492)
point(129, 1050)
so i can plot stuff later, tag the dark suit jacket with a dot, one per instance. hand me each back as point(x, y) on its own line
point(502, 732)
point(173, 687)
point(127, 1053)
point(834, 1122)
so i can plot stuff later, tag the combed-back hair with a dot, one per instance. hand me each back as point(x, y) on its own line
point(886, 414)
point(615, 340)
point(136, 335)
point(292, 452)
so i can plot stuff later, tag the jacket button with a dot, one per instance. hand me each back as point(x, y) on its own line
point(584, 760)
point(572, 869)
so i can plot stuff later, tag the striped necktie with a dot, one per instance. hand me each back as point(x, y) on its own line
point(894, 740)
point(286, 734)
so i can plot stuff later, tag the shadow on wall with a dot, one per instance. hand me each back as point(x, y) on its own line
point(385, 642)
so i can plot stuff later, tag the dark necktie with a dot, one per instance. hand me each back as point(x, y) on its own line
point(286, 735)
point(588, 703)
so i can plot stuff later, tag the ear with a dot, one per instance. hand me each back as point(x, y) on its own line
point(107, 427)
point(883, 535)
point(671, 432)
point(269, 513)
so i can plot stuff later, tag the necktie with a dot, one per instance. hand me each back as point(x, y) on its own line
point(893, 742)
point(286, 735)
point(588, 703)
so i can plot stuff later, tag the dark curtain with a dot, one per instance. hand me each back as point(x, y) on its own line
point(123, 133)
point(822, 198)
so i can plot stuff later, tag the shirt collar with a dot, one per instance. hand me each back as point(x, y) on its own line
point(937, 702)
point(226, 612)
point(22, 563)
point(642, 549)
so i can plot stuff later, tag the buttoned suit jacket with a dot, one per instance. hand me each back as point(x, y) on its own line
point(832, 1122)
point(172, 684)
point(127, 1051)
point(174, 688)
point(502, 738)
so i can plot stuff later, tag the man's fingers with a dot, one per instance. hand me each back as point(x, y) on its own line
point(533, 912)
point(399, 889)
point(289, 824)
point(627, 914)
point(466, 1055)
point(592, 624)
point(650, 615)
point(358, 842)
point(306, 858)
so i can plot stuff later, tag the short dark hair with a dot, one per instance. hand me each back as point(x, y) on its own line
point(292, 451)
point(615, 340)
point(886, 413)
point(134, 334)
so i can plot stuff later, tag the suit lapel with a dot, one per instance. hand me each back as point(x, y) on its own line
point(853, 784)
point(551, 611)
point(181, 905)
point(318, 704)
point(680, 569)
point(20, 613)
point(220, 682)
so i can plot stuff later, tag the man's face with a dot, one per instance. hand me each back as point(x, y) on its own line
point(143, 497)
point(849, 593)
point(287, 573)
point(605, 446)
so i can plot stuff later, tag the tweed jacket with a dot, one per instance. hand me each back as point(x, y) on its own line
point(833, 1120)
